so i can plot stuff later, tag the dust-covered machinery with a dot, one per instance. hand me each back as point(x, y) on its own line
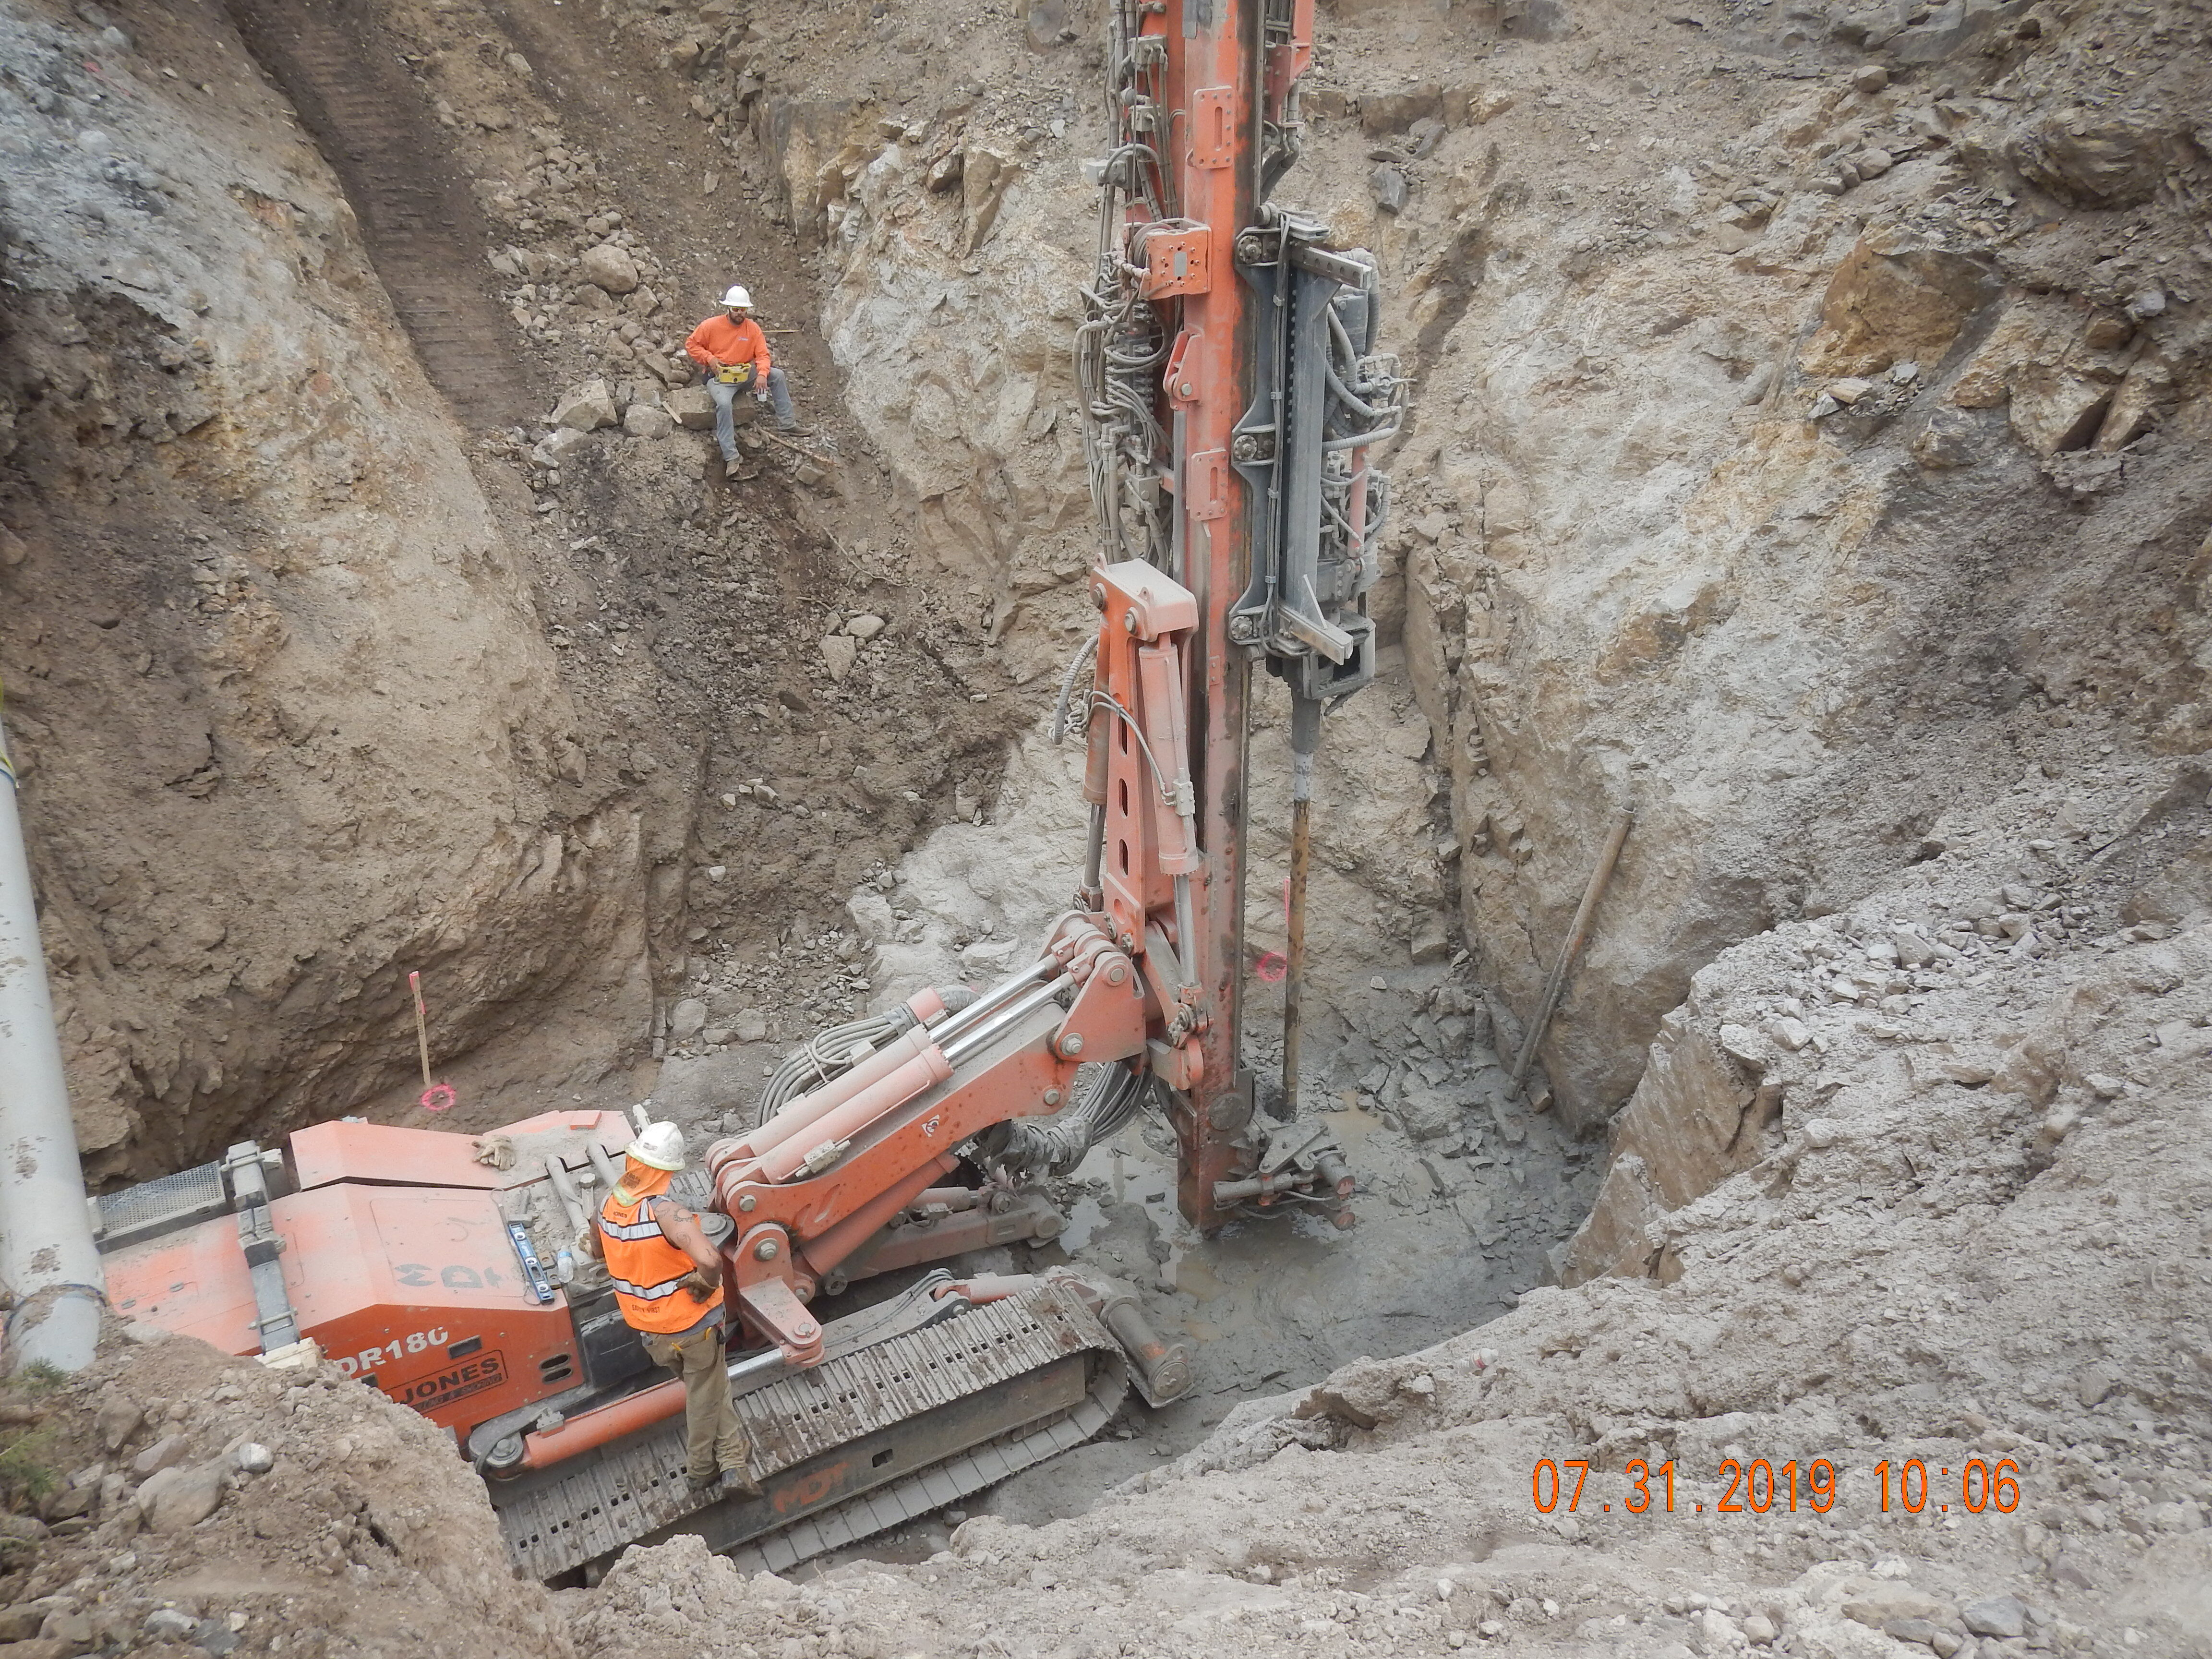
point(1231, 390)
point(450, 1285)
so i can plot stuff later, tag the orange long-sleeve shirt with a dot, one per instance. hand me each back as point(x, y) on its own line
point(719, 338)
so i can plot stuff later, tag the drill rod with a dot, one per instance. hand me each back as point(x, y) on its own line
point(1306, 742)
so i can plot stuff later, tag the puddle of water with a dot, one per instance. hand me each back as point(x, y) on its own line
point(1086, 1221)
point(1272, 1304)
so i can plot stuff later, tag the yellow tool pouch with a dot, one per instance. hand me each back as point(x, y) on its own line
point(735, 375)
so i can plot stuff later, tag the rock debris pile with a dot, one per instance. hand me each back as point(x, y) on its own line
point(172, 1501)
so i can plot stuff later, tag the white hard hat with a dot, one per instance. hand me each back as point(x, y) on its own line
point(737, 296)
point(659, 1145)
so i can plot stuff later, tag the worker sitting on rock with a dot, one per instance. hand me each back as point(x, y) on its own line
point(668, 1284)
point(733, 351)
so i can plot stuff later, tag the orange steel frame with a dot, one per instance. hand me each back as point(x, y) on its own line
point(1214, 55)
point(1168, 725)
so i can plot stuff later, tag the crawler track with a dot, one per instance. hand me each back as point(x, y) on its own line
point(858, 1444)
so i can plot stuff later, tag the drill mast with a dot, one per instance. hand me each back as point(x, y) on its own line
point(1231, 391)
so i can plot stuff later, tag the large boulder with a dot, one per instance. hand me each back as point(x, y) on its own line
point(988, 172)
point(2096, 158)
point(690, 406)
point(183, 1497)
point(610, 268)
point(1387, 185)
point(1384, 113)
point(586, 408)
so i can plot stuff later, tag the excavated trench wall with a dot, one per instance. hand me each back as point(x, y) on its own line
point(316, 676)
point(287, 722)
point(1779, 487)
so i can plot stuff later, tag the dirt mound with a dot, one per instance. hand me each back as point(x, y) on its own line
point(195, 1503)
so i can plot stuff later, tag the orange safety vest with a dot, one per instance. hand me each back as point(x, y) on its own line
point(647, 1268)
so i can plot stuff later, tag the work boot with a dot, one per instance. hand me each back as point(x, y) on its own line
point(739, 1480)
point(699, 1482)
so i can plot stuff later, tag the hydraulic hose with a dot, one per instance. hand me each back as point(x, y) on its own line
point(1106, 1097)
point(829, 1054)
point(826, 1055)
point(1345, 394)
point(1063, 723)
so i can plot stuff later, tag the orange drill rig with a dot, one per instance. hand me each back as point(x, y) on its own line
point(1230, 392)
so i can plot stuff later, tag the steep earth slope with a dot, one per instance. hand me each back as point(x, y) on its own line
point(286, 720)
point(313, 684)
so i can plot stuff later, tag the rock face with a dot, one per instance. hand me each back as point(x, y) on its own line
point(1893, 299)
point(287, 722)
point(1760, 634)
point(1694, 1119)
point(2094, 158)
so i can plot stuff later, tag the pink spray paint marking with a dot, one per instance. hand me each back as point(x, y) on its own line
point(1274, 966)
point(436, 1097)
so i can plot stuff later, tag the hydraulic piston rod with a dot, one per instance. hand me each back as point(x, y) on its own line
point(1305, 742)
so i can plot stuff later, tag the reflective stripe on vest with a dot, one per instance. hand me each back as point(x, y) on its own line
point(647, 1268)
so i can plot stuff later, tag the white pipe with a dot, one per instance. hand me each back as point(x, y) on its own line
point(48, 1262)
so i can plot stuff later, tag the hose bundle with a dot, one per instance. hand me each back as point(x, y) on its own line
point(832, 1053)
point(1106, 1097)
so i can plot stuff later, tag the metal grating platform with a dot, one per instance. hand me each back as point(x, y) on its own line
point(161, 1206)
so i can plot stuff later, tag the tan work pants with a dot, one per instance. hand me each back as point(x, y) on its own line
point(716, 1439)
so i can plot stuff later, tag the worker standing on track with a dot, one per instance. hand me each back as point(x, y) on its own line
point(732, 351)
point(668, 1284)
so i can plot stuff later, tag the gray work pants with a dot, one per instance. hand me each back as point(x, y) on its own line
point(725, 396)
point(714, 1439)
